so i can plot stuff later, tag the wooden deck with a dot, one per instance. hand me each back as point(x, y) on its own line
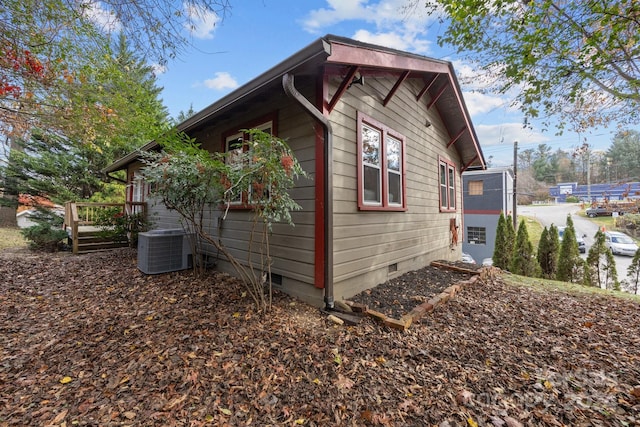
point(84, 233)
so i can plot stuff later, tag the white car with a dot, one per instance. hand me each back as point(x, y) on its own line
point(582, 247)
point(620, 243)
point(468, 258)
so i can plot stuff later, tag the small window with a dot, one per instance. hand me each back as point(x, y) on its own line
point(476, 188)
point(235, 145)
point(477, 235)
point(447, 172)
point(381, 166)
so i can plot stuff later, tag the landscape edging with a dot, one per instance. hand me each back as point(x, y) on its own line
point(483, 274)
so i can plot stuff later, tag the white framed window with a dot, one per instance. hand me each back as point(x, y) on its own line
point(447, 175)
point(371, 166)
point(381, 166)
point(236, 144)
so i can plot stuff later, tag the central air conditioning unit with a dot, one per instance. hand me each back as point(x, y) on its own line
point(162, 251)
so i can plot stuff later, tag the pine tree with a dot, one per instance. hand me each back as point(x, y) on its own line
point(543, 253)
point(611, 273)
point(594, 273)
point(569, 259)
point(634, 272)
point(500, 259)
point(522, 260)
point(117, 112)
point(548, 248)
point(601, 269)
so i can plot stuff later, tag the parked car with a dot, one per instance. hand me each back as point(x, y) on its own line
point(620, 243)
point(468, 258)
point(487, 262)
point(599, 211)
point(582, 246)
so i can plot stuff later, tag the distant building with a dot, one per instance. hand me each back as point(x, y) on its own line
point(28, 206)
point(595, 192)
point(484, 195)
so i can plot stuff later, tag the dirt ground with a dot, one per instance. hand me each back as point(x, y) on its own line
point(91, 341)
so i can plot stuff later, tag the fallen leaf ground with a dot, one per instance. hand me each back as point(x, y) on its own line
point(90, 341)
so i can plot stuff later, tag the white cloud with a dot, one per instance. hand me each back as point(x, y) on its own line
point(394, 40)
point(201, 22)
point(339, 10)
point(507, 133)
point(497, 141)
point(481, 103)
point(395, 26)
point(158, 69)
point(221, 81)
point(103, 18)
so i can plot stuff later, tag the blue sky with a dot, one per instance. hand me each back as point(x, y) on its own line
point(258, 34)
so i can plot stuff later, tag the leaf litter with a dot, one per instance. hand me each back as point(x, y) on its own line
point(90, 340)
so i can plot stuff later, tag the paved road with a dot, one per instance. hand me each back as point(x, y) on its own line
point(557, 214)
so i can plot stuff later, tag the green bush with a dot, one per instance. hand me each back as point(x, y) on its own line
point(47, 235)
point(572, 199)
point(119, 226)
point(44, 237)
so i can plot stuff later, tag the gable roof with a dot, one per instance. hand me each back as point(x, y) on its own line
point(346, 57)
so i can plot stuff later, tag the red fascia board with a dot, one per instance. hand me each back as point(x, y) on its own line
point(364, 57)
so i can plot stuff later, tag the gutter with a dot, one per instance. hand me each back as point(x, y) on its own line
point(292, 92)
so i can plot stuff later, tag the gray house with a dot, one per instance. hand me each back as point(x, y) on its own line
point(486, 193)
point(366, 217)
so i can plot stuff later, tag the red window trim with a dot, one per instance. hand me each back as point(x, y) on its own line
point(449, 165)
point(385, 131)
point(271, 117)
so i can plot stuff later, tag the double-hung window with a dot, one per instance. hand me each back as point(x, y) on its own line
point(236, 145)
point(447, 172)
point(381, 167)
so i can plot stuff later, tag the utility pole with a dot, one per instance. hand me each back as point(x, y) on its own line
point(588, 154)
point(515, 184)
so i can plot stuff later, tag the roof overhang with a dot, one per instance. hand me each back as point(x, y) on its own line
point(345, 56)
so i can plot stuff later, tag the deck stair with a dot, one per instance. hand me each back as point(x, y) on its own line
point(84, 233)
point(92, 239)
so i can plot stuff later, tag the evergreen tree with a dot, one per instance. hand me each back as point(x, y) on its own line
point(543, 253)
point(548, 248)
point(500, 259)
point(601, 266)
point(569, 260)
point(611, 273)
point(522, 260)
point(595, 261)
point(634, 272)
point(117, 111)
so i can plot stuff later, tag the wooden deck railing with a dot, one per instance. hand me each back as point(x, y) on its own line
point(86, 215)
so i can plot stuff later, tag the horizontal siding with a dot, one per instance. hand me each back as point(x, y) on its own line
point(366, 243)
point(292, 247)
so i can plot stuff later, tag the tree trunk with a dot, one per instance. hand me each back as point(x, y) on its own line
point(8, 213)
